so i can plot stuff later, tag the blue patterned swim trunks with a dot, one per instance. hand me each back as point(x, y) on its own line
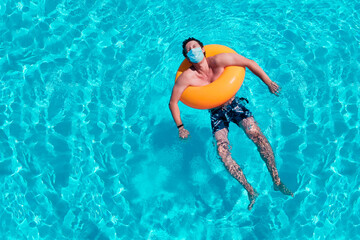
point(234, 112)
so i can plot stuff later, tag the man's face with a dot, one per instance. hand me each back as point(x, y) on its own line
point(194, 52)
point(192, 44)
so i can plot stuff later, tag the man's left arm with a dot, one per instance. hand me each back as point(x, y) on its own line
point(234, 59)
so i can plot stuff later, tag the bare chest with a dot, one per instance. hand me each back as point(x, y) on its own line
point(209, 77)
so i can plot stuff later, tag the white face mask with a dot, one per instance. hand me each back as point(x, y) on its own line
point(195, 55)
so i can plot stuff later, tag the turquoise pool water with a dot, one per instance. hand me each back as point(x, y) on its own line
point(89, 150)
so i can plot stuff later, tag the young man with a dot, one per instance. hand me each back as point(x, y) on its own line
point(206, 70)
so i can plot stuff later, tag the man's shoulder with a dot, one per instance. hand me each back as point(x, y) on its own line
point(216, 60)
point(222, 59)
point(221, 56)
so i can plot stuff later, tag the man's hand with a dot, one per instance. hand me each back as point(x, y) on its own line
point(183, 133)
point(274, 88)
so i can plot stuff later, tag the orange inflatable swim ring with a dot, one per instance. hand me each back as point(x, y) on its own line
point(217, 92)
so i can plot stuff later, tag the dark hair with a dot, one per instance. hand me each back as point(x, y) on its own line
point(184, 52)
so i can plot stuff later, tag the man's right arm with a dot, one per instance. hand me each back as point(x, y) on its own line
point(179, 87)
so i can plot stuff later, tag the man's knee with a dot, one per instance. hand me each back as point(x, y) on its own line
point(254, 134)
point(222, 149)
point(222, 142)
point(252, 130)
point(221, 137)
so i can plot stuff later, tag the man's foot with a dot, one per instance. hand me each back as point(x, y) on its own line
point(282, 188)
point(252, 198)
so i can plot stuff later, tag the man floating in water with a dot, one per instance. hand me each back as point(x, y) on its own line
point(205, 70)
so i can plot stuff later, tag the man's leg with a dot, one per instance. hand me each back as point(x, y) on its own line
point(222, 142)
point(253, 131)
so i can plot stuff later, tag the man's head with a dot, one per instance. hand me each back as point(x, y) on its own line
point(189, 44)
